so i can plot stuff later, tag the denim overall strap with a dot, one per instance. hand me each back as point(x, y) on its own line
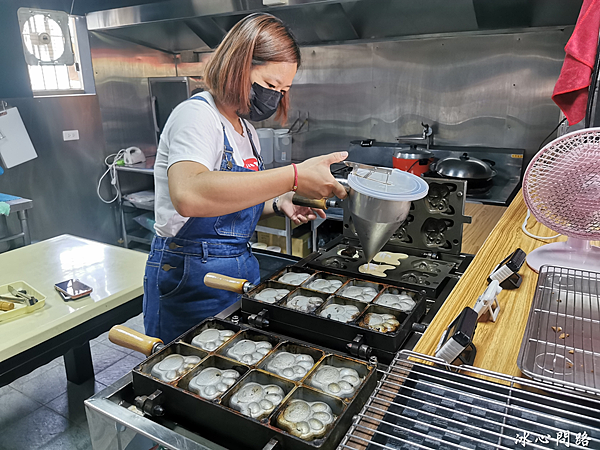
point(175, 296)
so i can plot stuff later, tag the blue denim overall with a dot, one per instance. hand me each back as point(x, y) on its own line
point(175, 296)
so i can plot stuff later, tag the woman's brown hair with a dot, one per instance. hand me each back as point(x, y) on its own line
point(256, 39)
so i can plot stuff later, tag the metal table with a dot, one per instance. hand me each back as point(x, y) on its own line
point(20, 206)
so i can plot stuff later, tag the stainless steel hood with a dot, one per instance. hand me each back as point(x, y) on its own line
point(199, 25)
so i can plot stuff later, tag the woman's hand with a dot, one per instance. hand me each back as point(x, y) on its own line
point(315, 179)
point(298, 214)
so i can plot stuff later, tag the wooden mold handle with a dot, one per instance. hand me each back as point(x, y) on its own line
point(217, 281)
point(128, 338)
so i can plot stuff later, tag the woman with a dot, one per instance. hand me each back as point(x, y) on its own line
point(211, 188)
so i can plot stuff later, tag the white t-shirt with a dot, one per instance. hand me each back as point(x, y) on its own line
point(194, 132)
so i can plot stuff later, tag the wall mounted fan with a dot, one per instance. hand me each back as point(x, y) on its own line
point(46, 37)
point(561, 188)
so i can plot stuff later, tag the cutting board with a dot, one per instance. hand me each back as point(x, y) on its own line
point(15, 144)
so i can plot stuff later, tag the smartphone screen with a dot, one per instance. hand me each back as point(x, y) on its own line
point(73, 288)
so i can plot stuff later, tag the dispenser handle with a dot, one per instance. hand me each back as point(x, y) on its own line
point(218, 281)
point(310, 202)
point(131, 339)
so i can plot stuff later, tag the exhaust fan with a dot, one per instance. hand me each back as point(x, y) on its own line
point(46, 38)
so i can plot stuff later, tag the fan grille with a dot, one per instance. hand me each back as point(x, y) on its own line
point(561, 186)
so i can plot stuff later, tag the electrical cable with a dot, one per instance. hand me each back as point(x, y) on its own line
point(112, 169)
point(550, 134)
point(539, 238)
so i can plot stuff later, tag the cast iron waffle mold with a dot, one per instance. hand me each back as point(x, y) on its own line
point(406, 267)
point(434, 223)
point(561, 343)
point(218, 394)
point(423, 403)
point(336, 319)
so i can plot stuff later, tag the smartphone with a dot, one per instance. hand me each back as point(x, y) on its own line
point(73, 288)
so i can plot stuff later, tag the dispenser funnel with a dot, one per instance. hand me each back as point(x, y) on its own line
point(379, 201)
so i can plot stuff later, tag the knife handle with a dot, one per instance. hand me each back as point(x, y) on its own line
point(218, 281)
point(131, 339)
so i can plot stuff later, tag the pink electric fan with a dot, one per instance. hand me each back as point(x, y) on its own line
point(561, 188)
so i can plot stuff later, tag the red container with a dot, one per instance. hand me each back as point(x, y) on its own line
point(414, 161)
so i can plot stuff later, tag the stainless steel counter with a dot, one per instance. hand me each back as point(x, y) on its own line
point(20, 206)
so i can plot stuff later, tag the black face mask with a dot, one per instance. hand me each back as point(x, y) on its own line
point(263, 102)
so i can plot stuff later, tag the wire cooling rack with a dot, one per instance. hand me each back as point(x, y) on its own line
point(561, 344)
point(423, 403)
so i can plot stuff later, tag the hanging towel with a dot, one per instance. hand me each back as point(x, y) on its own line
point(4, 208)
point(571, 89)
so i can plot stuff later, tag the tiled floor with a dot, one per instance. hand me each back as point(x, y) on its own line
point(42, 410)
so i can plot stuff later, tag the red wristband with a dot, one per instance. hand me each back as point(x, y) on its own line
point(295, 188)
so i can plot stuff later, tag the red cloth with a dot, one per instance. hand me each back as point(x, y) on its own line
point(571, 89)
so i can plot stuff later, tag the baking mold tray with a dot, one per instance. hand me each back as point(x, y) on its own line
point(217, 416)
point(561, 343)
point(314, 325)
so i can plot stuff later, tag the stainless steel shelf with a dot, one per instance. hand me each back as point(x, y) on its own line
point(131, 205)
point(142, 236)
point(136, 169)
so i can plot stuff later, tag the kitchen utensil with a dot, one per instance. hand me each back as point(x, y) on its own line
point(561, 188)
point(317, 323)
point(456, 342)
point(378, 202)
point(6, 306)
point(184, 400)
point(561, 344)
point(414, 272)
point(422, 403)
point(23, 296)
point(464, 167)
point(29, 299)
point(13, 299)
point(415, 161)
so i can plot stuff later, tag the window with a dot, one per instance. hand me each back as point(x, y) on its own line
point(52, 53)
point(56, 77)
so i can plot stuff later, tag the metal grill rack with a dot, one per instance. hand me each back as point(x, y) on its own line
point(423, 403)
point(561, 344)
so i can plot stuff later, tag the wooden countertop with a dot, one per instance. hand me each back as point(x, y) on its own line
point(497, 343)
point(483, 220)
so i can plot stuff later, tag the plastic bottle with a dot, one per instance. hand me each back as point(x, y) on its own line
point(283, 146)
point(266, 138)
